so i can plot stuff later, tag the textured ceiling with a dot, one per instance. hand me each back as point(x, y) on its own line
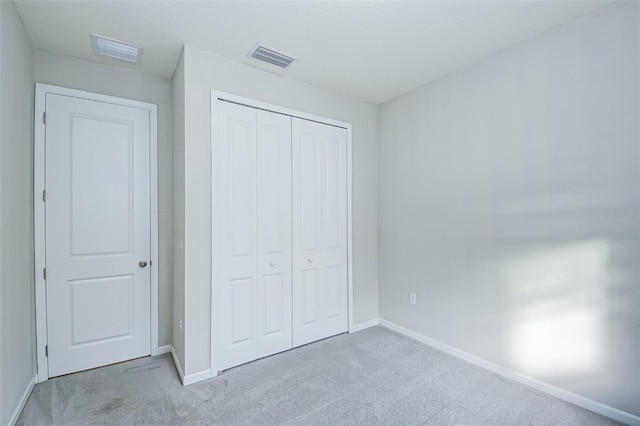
point(371, 50)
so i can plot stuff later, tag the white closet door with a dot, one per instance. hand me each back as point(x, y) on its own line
point(274, 233)
point(237, 234)
point(252, 201)
point(320, 291)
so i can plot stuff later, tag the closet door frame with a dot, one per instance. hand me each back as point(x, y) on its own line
point(217, 97)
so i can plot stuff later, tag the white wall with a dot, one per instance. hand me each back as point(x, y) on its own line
point(497, 185)
point(17, 318)
point(178, 211)
point(205, 71)
point(66, 71)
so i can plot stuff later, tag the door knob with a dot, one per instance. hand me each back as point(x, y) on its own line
point(272, 264)
point(310, 260)
point(142, 263)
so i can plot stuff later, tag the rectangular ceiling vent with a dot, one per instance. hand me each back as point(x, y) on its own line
point(116, 49)
point(271, 56)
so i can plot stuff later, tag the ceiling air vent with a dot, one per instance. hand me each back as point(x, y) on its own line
point(270, 56)
point(105, 46)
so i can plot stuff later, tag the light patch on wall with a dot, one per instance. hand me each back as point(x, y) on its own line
point(558, 328)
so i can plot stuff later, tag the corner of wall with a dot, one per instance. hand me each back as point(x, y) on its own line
point(17, 306)
point(178, 216)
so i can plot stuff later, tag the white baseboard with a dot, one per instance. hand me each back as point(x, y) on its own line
point(163, 350)
point(363, 325)
point(578, 400)
point(23, 401)
point(177, 364)
point(190, 379)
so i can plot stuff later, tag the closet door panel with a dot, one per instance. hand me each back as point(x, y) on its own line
point(280, 212)
point(308, 290)
point(236, 206)
point(334, 226)
point(320, 288)
point(309, 174)
point(274, 309)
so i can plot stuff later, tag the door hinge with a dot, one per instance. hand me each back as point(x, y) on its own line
point(44, 196)
point(44, 273)
point(44, 117)
point(46, 350)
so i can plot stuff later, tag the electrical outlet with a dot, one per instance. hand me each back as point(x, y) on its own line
point(413, 298)
point(180, 323)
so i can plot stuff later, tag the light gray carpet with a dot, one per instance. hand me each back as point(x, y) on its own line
point(372, 377)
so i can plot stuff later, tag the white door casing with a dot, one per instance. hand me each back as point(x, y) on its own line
point(253, 206)
point(99, 224)
point(320, 254)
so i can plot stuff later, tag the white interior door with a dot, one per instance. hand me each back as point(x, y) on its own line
point(320, 259)
point(252, 202)
point(97, 233)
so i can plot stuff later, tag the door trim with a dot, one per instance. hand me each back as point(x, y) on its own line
point(219, 96)
point(39, 212)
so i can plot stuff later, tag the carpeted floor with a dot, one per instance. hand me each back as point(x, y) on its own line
point(372, 377)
